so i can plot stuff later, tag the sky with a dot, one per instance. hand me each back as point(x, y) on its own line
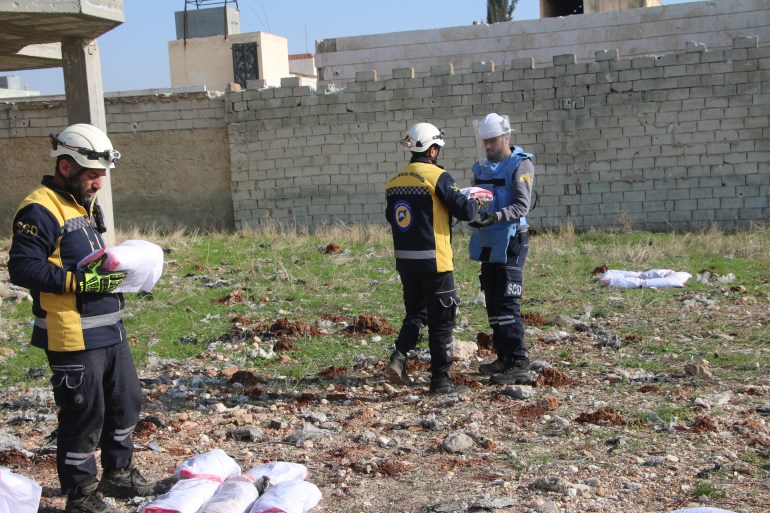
point(134, 55)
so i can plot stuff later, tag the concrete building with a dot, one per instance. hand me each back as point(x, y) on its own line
point(10, 87)
point(211, 51)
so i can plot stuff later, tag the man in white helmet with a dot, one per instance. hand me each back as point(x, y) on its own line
point(79, 321)
point(501, 242)
point(422, 198)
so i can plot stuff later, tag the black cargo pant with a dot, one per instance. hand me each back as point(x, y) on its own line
point(429, 299)
point(99, 399)
point(502, 285)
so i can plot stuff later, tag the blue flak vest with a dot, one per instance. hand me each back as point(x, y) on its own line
point(490, 243)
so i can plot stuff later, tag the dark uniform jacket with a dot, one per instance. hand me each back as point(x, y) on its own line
point(422, 198)
point(51, 234)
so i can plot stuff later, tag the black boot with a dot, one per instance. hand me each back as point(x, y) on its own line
point(127, 483)
point(518, 373)
point(396, 369)
point(502, 364)
point(443, 384)
point(85, 500)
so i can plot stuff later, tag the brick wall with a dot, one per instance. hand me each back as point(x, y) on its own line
point(672, 141)
point(175, 170)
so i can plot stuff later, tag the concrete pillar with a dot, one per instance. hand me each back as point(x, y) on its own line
point(85, 104)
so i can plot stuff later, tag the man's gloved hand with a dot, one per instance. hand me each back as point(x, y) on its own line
point(484, 219)
point(91, 279)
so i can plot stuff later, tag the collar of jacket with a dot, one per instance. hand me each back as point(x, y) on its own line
point(419, 157)
point(48, 181)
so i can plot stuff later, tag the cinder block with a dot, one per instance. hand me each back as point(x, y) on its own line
point(523, 63)
point(403, 73)
point(692, 46)
point(482, 67)
point(606, 55)
point(364, 76)
point(442, 69)
point(745, 42)
point(564, 59)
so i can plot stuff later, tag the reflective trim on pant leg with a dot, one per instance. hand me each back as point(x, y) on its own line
point(77, 458)
point(121, 434)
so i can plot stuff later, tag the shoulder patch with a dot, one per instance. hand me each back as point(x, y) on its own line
point(526, 178)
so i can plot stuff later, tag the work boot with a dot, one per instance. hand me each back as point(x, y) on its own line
point(502, 364)
point(396, 369)
point(126, 483)
point(86, 500)
point(518, 373)
point(443, 384)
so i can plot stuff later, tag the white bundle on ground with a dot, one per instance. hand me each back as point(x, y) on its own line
point(278, 471)
point(654, 278)
point(215, 465)
point(186, 496)
point(142, 261)
point(236, 495)
point(18, 494)
point(288, 497)
point(702, 510)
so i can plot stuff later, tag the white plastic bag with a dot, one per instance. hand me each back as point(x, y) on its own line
point(702, 510)
point(654, 278)
point(215, 465)
point(18, 494)
point(278, 471)
point(142, 261)
point(236, 495)
point(288, 497)
point(186, 496)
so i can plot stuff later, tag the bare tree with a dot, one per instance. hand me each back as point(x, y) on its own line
point(500, 10)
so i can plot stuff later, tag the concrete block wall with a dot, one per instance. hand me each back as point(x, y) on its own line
point(634, 32)
point(674, 141)
point(175, 169)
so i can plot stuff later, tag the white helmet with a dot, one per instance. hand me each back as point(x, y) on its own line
point(422, 136)
point(493, 125)
point(88, 145)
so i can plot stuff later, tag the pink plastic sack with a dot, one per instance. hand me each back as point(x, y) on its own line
point(288, 497)
point(278, 471)
point(215, 465)
point(186, 496)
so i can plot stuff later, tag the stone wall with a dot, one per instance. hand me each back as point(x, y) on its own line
point(673, 141)
point(634, 32)
point(175, 170)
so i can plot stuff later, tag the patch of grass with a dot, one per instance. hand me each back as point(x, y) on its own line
point(347, 271)
point(702, 489)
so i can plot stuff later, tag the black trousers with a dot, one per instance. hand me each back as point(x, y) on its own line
point(430, 300)
point(503, 285)
point(99, 399)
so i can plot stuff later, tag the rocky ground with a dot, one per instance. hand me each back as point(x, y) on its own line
point(586, 435)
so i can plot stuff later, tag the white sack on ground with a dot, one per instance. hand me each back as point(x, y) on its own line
point(702, 510)
point(654, 278)
point(215, 465)
point(18, 494)
point(278, 471)
point(288, 497)
point(236, 495)
point(142, 261)
point(186, 496)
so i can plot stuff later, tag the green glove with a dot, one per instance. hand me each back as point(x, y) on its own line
point(92, 280)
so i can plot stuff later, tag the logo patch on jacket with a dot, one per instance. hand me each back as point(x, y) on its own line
point(402, 213)
point(526, 177)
